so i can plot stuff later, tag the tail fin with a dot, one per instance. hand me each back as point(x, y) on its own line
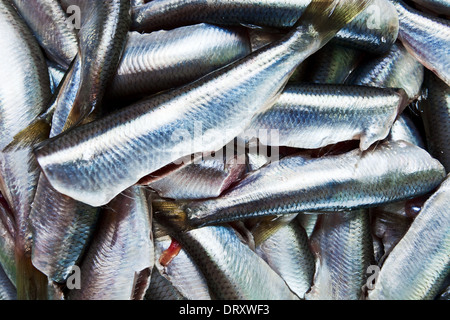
point(329, 16)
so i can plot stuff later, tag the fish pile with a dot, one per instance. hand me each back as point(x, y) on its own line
point(224, 150)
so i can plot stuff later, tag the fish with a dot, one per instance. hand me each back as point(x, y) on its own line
point(232, 270)
point(332, 64)
point(406, 129)
point(311, 116)
point(7, 289)
point(419, 263)
point(369, 32)
point(151, 61)
point(395, 69)
point(299, 183)
point(200, 179)
point(308, 221)
point(435, 114)
point(288, 253)
point(426, 38)
point(7, 241)
point(156, 128)
point(185, 280)
point(56, 74)
point(49, 24)
point(441, 7)
point(342, 246)
point(122, 247)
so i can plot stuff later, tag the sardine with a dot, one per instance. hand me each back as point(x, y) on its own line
point(298, 184)
point(405, 129)
point(366, 31)
point(437, 6)
point(142, 138)
point(122, 247)
point(312, 116)
point(49, 24)
point(419, 263)
point(426, 37)
point(435, 112)
point(342, 244)
point(287, 252)
point(152, 62)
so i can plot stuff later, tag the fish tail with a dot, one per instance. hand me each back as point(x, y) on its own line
point(329, 16)
point(170, 214)
point(36, 132)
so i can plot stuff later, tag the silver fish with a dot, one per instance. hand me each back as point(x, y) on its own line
point(435, 112)
point(121, 248)
point(152, 62)
point(419, 263)
point(395, 69)
point(312, 116)
point(49, 23)
point(146, 136)
point(7, 289)
point(426, 37)
point(7, 241)
point(366, 32)
point(343, 248)
point(287, 251)
point(405, 129)
point(437, 6)
point(297, 184)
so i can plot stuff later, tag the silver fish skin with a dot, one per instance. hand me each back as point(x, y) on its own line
point(395, 69)
point(56, 74)
point(332, 64)
point(308, 221)
point(151, 62)
point(288, 253)
point(7, 242)
point(49, 24)
point(311, 116)
point(102, 38)
point(122, 247)
point(232, 270)
point(298, 184)
point(426, 37)
point(199, 180)
point(26, 83)
point(419, 263)
point(7, 289)
point(405, 129)
point(343, 248)
point(182, 273)
point(145, 136)
point(438, 6)
point(435, 112)
point(161, 289)
point(164, 14)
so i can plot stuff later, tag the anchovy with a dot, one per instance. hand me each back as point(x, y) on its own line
point(122, 247)
point(364, 32)
point(145, 136)
point(426, 37)
point(419, 263)
point(312, 116)
point(435, 112)
point(152, 63)
point(49, 24)
point(343, 248)
point(395, 69)
point(297, 184)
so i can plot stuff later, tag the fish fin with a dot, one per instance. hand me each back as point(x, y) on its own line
point(329, 16)
point(36, 132)
point(170, 214)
